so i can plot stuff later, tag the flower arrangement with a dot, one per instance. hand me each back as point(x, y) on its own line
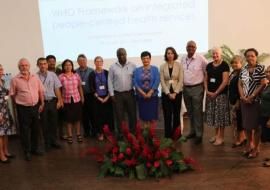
point(140, 155)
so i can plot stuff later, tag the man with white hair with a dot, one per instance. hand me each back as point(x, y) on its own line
point(27, 92)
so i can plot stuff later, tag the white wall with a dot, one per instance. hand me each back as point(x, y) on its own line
point(237, 23)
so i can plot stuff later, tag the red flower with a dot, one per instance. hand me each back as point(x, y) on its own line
point(169, 162)
point(106, 130)
point(112, 139)
point(152, 130)
point(156, 164)
point(148, 164)
point(121, 156)
point(193, 162)
point(150, 156)
point(131, 162)
point(165, 152)
point(124, 128)
point(157, 155)
point(156, 142)
point(136, 147)
point(146, 151)
point(177, 133)
point(114, 159)
point(128, 151)
point(115, 150)
point(141, 140)
point(100, 158)
point(130, 138)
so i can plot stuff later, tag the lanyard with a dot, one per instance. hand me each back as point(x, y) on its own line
point(45, 78)
point(99, 77)
point(188, 63)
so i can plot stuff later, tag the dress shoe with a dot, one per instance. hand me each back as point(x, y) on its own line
point(5, 161)
point(56, 146)
point(266, 164)
point(27, 157)
point(37, 153)
point(198, 140)
point(10, 156)
point(190, 136)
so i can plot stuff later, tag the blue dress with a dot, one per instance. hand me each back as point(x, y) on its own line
point(147, 79)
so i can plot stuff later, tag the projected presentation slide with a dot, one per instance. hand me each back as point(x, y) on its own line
point(99, 27)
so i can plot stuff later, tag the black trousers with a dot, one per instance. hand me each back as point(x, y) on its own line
point(49, 122)
point(88, 115)
point(125, 103)
point(103, 115)
point(29, 127)
point(171, 113)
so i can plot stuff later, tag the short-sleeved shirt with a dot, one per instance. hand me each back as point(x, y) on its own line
point(70, 86)
point(50, 82)
point(120, 77)
point(215, 76)
point(26, 92)
point(194, 69)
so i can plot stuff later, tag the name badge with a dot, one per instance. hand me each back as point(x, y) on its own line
point(102, 87)
point(83, 83)
point(170, 81)
point(213, 80)
point(6, 97)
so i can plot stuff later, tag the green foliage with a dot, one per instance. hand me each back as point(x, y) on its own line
point(166, 143)
point(228, 54)
point(141, 172)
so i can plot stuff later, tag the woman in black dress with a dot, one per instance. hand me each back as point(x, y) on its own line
point(234, 98)
point(98, 82)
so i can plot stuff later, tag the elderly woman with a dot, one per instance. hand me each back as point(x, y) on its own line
point(146, 81)
point(251, 83)
point(171, 79)
point(6, 121)
point(234, 99)
point(98, 83)
point(73, 99)
point(217, 105)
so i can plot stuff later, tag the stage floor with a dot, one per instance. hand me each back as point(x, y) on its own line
point(223, 168)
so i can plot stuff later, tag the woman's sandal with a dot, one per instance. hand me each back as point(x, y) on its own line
point(69, 140)
point(212, 140)
point(245, 153)
point(253, 155)
point(79, 139)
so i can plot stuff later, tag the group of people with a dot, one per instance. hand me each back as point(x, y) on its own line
point(68, 98)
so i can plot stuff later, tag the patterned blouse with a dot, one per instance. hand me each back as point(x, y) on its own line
point(70, 86)
point(251, 80)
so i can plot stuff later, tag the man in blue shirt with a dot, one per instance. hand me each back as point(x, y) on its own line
point(52, 102)
point(121, 89)
point(87, 120)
